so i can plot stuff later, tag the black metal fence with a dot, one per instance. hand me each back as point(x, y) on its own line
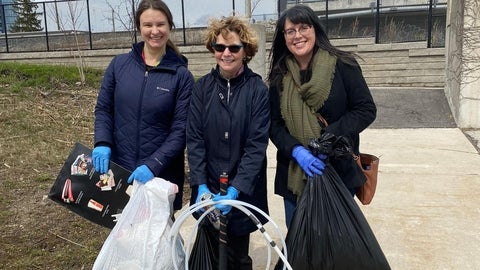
point(108, 24)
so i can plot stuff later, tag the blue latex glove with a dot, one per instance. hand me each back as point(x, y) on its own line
point(141, 174)
point(202, 189)
point(309, 163)
point(101, 157)
point(232, 194)
point(322, 157)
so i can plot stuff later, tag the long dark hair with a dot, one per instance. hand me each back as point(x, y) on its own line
point(301, 14)
point(162, 7)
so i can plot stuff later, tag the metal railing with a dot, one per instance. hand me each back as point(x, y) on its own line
point(108, 24)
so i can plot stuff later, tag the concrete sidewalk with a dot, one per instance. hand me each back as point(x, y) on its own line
point(426, 211)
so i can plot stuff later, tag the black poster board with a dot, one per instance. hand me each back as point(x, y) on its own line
point(96, 197)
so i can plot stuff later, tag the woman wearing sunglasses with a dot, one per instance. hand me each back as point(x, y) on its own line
point(227, 132)
point(309, 77)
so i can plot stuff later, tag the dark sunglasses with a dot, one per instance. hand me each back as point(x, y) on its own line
point(231, 48)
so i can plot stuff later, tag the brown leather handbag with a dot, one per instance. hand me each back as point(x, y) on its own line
point(369, 165)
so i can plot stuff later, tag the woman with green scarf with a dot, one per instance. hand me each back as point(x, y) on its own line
point(310, 77)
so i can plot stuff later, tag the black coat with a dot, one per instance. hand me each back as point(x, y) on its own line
point(349, 110)
point(230, 135)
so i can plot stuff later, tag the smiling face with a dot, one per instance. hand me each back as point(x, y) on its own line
point(230, 63)
point(155, 29)
point(300, 41)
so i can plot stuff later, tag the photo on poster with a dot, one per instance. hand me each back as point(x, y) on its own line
point(107, 181)
point(67, 194)
point(81, 164)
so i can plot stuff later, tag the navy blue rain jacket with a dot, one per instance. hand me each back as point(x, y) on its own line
point(142, 114)
point(229, 133)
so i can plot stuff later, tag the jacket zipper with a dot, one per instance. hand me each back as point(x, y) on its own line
point(227, 133)
point(228, 91)
point(140, 102)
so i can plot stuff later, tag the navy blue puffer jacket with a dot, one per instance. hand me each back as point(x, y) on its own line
point(227, 131)
point(142, 114)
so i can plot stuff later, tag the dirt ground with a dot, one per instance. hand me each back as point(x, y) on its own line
point(38, 130)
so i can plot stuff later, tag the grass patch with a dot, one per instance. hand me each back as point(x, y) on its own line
point(18, 76)
point(44, 111)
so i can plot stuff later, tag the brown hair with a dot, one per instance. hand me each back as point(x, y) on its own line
point(162, 7)
point(227, 25)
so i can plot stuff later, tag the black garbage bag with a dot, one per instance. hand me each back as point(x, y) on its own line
point(204, 249)
point(328, 229)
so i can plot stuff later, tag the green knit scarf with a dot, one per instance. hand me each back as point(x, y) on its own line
point(298, 104)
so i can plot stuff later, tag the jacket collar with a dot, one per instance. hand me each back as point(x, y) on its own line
point(247, 72)
point(170, 61)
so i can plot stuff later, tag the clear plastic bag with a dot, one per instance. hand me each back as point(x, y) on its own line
point(140, 240)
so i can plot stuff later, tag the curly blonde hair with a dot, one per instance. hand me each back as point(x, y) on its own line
point(235, 24)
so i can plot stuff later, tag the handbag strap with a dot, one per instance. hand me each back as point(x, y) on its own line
point(322, 120)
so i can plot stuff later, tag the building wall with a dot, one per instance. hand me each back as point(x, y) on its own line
point(408, 64)
point(462, 87)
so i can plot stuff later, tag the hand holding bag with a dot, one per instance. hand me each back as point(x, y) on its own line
point(328, 229)
point(139, 240)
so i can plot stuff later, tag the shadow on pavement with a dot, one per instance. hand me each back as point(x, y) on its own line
point(412, 108)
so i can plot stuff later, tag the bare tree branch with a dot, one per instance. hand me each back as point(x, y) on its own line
point(127, 22)
point(255, 4)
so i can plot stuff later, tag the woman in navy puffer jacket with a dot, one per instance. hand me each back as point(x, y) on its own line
point(142, 106)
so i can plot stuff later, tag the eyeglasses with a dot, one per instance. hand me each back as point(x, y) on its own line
point(231, 48)
point(290, 33)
